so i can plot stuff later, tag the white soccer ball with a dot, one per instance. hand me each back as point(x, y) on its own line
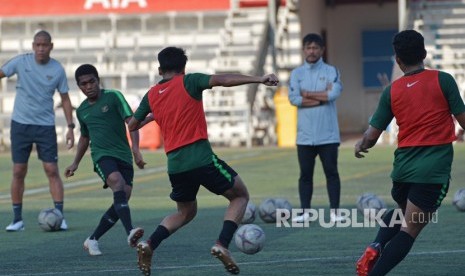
point(50, 219)
point(267, 209)
point(282, 203)
point(370, 205)
point(250, 212)
point(249, 238)
point(459, 200)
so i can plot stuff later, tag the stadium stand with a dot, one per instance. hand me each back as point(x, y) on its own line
point(124, 47)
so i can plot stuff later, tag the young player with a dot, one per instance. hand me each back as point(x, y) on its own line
point(422, 102)
point(175, 103)
point(103, 117)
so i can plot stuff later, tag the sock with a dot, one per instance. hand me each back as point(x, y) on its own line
point(106, 223)
point(385, 234)
point(394, 252)
point(17, 212)
point(59, 205)
point(226, 235)
point(158, 236)
point(122, 209)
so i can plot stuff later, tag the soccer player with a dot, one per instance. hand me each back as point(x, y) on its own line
point(33, 120)
point(103, 117)
point(422, 102)
point(175, 103)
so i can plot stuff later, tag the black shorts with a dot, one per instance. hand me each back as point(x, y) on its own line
point(426, 196)
point(217, 177)
point(106, 165)
point(24, 136)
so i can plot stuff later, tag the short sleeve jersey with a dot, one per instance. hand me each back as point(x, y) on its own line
point(421, 164)
point(194, 155)
point(35, 88)
point(104, 123)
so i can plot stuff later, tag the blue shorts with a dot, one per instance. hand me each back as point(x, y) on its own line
point(24, 136)
point(426, 196)
point(217, 177)
point(107, 164)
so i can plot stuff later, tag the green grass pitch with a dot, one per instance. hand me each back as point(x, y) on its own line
point(268, 172)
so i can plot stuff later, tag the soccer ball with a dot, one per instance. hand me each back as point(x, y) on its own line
point(50, 219)
point(459, 200)
point(249, 238)
point(369, 202)
point(267, 209)
point(249, 215)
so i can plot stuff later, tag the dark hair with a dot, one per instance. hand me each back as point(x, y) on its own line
point(310, 38)
point(409, 46)
point(43, 33)
point(172, 59)
point(85, 69)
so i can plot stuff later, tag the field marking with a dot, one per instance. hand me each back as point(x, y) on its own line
point(299, 260)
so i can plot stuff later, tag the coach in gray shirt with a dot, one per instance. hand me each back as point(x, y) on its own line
point(314, 88)
point(33, 120)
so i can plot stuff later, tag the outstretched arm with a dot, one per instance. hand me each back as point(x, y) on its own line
point(135, 124)
point(135, 147)
point(370, 137)
point(228, 80)
point(82, 146)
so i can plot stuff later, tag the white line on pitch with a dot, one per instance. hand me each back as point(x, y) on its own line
point(443, 252)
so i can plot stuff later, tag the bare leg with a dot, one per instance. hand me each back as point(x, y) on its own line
point(186, 212)
point(55, 182)
point(238, 197)
point(17, 183)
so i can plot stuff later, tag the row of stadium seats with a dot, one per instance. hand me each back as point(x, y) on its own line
point(124, 47)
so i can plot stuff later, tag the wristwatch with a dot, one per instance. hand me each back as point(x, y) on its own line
point(72, 126)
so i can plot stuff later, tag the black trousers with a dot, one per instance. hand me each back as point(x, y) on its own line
point(328, 154)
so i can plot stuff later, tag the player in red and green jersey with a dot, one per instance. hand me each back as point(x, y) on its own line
point(103, 117)
point(423, 102)
point(175, 103)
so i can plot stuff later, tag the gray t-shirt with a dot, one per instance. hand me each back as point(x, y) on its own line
point(35, 87)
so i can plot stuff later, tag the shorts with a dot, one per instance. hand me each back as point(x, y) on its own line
point(24, 136)
point(106, 165)
point(217, 177)
point(426, 196)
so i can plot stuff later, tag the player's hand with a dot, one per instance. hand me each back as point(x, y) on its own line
point(358, 150)
point(138, 159)
point(70, 138)
point(270, 80)
point(69, 171)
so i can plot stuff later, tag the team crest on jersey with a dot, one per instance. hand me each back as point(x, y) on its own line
point(105, 108)
point(49, 77)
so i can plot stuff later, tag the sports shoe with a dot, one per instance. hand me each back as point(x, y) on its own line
point(63, 226)
point(223, 254)
point(336, 218)
point(92, 247)
point(304, 217)
point(15, 226)
point(144, 257)
point(367, 261)
point(134, 236)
